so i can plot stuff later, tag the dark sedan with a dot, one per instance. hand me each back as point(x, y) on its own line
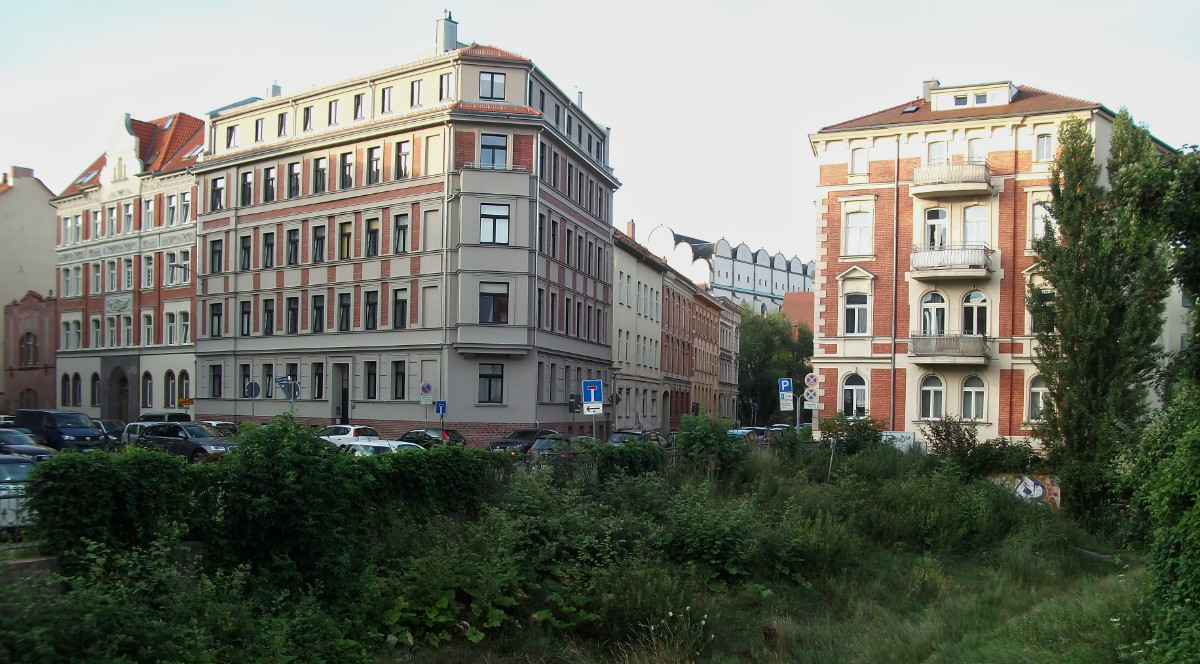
point(187, 439)
point(15, 442)
point(431, 436)
point(518, 441)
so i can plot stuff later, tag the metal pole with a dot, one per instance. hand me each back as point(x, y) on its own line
point(426, 416)
point(593, 426)
point(832, 446)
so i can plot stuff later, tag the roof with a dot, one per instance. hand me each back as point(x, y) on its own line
point(5, 187)
point(492, 52)
point(164, 145)
point(1027, 101)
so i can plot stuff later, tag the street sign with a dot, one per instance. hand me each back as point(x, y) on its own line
point(187, 401)
point(593, 392)
point(810, 394)
point(785, 401)
point(439, 407)
point(785, 385)
point(593, 408)
point(252, 390)
point(280, 380)
point(426, 399)
point(290, 390)
point(426, 388)
point(810, 380)
point(812, 405)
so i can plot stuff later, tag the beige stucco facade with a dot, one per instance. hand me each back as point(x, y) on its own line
point(637, 338)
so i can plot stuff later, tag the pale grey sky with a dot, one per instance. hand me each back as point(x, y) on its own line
point(710, 103)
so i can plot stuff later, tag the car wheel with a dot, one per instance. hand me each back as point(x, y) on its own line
point(197, 456)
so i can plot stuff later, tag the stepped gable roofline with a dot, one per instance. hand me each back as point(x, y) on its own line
point(163, 146)
point(1027, 101)
point(700, 248)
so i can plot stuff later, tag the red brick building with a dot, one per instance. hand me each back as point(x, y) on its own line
point(30, 328)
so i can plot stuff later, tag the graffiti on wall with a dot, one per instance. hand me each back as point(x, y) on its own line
point(1033, 488)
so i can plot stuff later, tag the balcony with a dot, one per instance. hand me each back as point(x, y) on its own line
point(967, 349)
point(943, 178)
point(967, 261)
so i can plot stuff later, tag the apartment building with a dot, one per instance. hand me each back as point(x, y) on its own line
point(706, 352)
point(439, 229)
point(125, 241)
point(729, 359)
point(679, 299)
point(31, 325)
point(926, 215)
point(641, 399)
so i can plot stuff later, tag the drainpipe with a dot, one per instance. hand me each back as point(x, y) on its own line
point(537, 210)
point(446, 155)
point(895, 285)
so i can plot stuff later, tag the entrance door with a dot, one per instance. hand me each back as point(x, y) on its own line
point(341, 400)
point(123, 399)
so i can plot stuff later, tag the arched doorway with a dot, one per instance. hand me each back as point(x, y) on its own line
point(664, 418)
point(116, 402)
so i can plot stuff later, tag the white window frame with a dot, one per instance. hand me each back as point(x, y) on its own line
point(974, 399)
point(1043, 148)
point(933, 314)
point(856, 314)
point(859, 165)
point(973, 310)
point(1039, 395)
point(976, 231)
point(855, 395)
point(933, 398)
point(859, 229)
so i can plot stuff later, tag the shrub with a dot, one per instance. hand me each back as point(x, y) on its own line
point(956, 442)
point(706, 446)
point(445, 478)
point(633, 458)
point(851, 434)
point(717, 538)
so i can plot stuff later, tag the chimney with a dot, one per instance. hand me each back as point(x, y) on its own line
point(929, 86)
point(273, 90)
point(447, 34)
point(629, 228)
point(581, 100)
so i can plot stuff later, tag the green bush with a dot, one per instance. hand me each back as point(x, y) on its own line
point(851, 434)
point(633, 458)
point(956, 442)
point(449, 478)
point(718, 539)
point(706, 447)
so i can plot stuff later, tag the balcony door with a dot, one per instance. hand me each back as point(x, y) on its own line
point(937, 232)
point(933, 314)
point(975, 227)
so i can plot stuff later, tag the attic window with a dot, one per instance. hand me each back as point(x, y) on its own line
point(195, 152)
point(912, 108)
point(169, 122)
point(980, 97)
point(960, 100)
point(86, 176)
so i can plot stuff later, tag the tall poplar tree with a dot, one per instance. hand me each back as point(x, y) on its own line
point(770, 349)
point(1103, 281)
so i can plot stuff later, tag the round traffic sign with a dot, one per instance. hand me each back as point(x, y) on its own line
point(810, 380)
point(426, 388)
point(810, 394)
point(252, 390)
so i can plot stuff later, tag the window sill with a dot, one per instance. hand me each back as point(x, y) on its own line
point(856, 257)
point(491, 405)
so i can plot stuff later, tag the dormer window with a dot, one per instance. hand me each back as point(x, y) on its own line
point(980, 98)
point(960, 100)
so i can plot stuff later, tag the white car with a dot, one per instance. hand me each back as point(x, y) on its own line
point(348, 433)
point(374, 447)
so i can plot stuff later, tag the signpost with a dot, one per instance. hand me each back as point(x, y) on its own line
point(251, 390)
point(785, 395)
point(810, 394)
point(426, 398)
point(439, 407)
point(290, 389)
point(593, 400)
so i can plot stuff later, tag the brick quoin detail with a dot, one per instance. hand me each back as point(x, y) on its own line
point(829, 349)
point(886, 349)
point(414, 231)
point(523, 152)
point(829, 399)
point(414, 298)
point(464, 148)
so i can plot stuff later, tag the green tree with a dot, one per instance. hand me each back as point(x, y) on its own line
point(770, 349)
point(1105, 266)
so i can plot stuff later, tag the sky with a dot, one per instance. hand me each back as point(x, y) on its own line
point(710, 102)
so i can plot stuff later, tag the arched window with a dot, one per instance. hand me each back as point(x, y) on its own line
point(64, 397)
point(28, 398)
point(147, 390)
point(936, 231)
point(29, 350)
point(972, 399)
point(854, 396)
point(975, 226)
point(185, 385)
point(975, 313)
point(169, 390)
point(1039, 393)
point(76, 390)
point(95, 395)
point(1042, 220)
point(933, 314)
point(931, 398)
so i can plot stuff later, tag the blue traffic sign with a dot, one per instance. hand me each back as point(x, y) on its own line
point(426, 388)
point(785, 385)
point(439, 407)
point(593, 391)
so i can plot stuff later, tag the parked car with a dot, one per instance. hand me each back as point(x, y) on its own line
point(745, 435)
point(62, 429)
point(518, 441)
point(375, 447)
point(348, 433)
point(228, 428)
point(112, 430)
point(7, 419)
point(188, 439)
point(626, 435)
point(431, 436)
point(37, 438)
point(164, 417)
point(15, 442)
point(15, 472)
point(133, 430)
point(552, 448)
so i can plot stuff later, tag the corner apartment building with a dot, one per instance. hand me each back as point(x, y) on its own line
point(443, 225)
point(637, 338)
point(126, 236)
point(926, 215)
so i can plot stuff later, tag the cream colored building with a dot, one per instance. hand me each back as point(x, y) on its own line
point(27, 224)
point(729, 359)
point(637, 337)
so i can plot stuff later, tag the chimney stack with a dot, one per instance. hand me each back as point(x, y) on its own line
point(581, 100)
point(928, 87)
point(629, 228)
point(273, 90)
point(447, 34)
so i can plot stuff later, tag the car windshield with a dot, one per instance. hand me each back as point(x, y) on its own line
point(10, 437)
point(15, 472)
point(201, 431)
point(113, 426)
point(552, 444)
point(226, 429)
point(522, 434)
point(70, 420)
point(621, 437)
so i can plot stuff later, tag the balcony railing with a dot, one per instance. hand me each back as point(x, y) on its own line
point(947, 256)
point(949, 178)
point(949, 345)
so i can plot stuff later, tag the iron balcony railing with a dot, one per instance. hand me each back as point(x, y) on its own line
point(932, 257)
point(945, 172)
point(949, 345)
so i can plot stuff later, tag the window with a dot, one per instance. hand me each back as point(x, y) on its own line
point(347, 170)
point(247, 189)
point(399, 309)
point(318, 380)
point(216, 256)
point(976, 152)
point(147, 272)
point(981, 97)
point(403, 160)
point(128, 276)
point(171, 210)
point(96, 227)
point(372, 239)
point(975, 227)
point(185, 327)
point(268, 387)
point(493, 303)
point(446, 87)
point(933, 314)
point(554, 239)
point(937, 153)
point(214, 382)
point(318, 314)
point(854, 396)
point(491, 85)
point(975, 314)
point(554, 171)
point(1043, 322)
point(244, 252)
point(111, 283)
point(292, 252)
point(491, 383)
point(972, 399)
point(293, 183)
point(1045, 148)
point(147, 390)
point(493, 224)
point(856, 313)
point(127, 218)
point(936, 229)
point(554, 312)
point(29, 350)
point(345, 237)
point(1043, 222)
point(292, 320)
point(370, 379)
point(858, 161)
point(343, 314)
point(281, 125)
point(231, 137)
point(185, 385)
point(571, 241)
point(320, 174)
point(259, 126)
point(960, 100)
point(359, 110)
point(217, 197)
point(215, 315)
point(96, 277)
point(385, 100)
point(268, 316)
point(398, 375)
point(95, 391)
point(170, 325)
point(147, 329)
point(541, 233)
point(414, 95)
point(333, 112)
point(493, 151)
point(65, 396)
point(541, 304)
point(1039, 397)
point(931, 398)
point(400, 234)
point(268, 254)
point(371, 310)
point(318, 244)
point(374, 165)
point(185, 207)
point(858, 233)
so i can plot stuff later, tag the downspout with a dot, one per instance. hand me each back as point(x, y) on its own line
point(537, 211)
point(237, 201)
point(446, 155)
point(895, 285)
point(1012, 260)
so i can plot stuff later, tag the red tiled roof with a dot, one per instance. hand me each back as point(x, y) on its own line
point(493, 108)
point(5, 187)
point(164, 145)
point(1027, 101)
point(89, 177)
point(496, 53)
